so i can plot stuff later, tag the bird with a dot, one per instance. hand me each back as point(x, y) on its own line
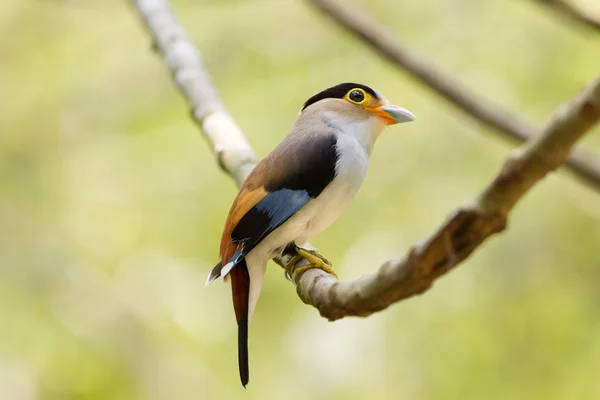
point(298, 190)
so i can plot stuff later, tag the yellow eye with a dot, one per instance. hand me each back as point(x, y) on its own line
point(357, 96)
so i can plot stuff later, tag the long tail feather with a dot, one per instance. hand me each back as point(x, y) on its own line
point(243, 361)
point(240, 284)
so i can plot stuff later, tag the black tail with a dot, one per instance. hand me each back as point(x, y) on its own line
point(243, 349)
point(241, 297)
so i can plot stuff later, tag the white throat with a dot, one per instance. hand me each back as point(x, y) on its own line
point(365, 131)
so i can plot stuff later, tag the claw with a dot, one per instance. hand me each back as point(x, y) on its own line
point(316, 254)
point(289, 265)
point(315, 259)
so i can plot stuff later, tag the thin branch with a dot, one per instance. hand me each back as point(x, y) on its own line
point(582, 163)
point(575, 13)
point(454, 241)
point(184, 61)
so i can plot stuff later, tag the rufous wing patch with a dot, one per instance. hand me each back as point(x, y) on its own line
point(245, 200)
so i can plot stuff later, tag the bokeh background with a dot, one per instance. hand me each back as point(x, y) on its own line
point(111, 209)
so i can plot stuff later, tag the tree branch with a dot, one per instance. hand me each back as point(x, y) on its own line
point(184, 61)
point(462, 232)
point(453, 242)
point(582, 163)
point(576, 14)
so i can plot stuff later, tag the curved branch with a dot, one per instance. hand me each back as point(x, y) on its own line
point(572, 11)
point(454, 241)
point(582, 163)
point(462, 232)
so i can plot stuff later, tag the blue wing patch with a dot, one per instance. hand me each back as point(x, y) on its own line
point(267, 215)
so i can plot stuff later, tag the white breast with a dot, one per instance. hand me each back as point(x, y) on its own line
point(321, 212)
point(351, 168)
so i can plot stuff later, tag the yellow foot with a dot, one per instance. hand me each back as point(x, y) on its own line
point(315, 259)
point(289, 265)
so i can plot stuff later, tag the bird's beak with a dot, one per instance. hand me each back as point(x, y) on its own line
point(394, 114)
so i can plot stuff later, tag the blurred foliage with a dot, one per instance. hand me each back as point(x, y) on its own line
point(111, 209)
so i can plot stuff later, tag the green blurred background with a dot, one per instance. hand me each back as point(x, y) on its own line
point(111, 209)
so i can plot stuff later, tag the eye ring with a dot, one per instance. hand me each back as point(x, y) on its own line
point(357, 96)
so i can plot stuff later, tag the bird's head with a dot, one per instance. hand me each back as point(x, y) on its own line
point(353, 108)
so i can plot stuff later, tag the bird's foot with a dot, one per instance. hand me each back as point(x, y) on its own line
point(315, 260)
point(288, 267)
